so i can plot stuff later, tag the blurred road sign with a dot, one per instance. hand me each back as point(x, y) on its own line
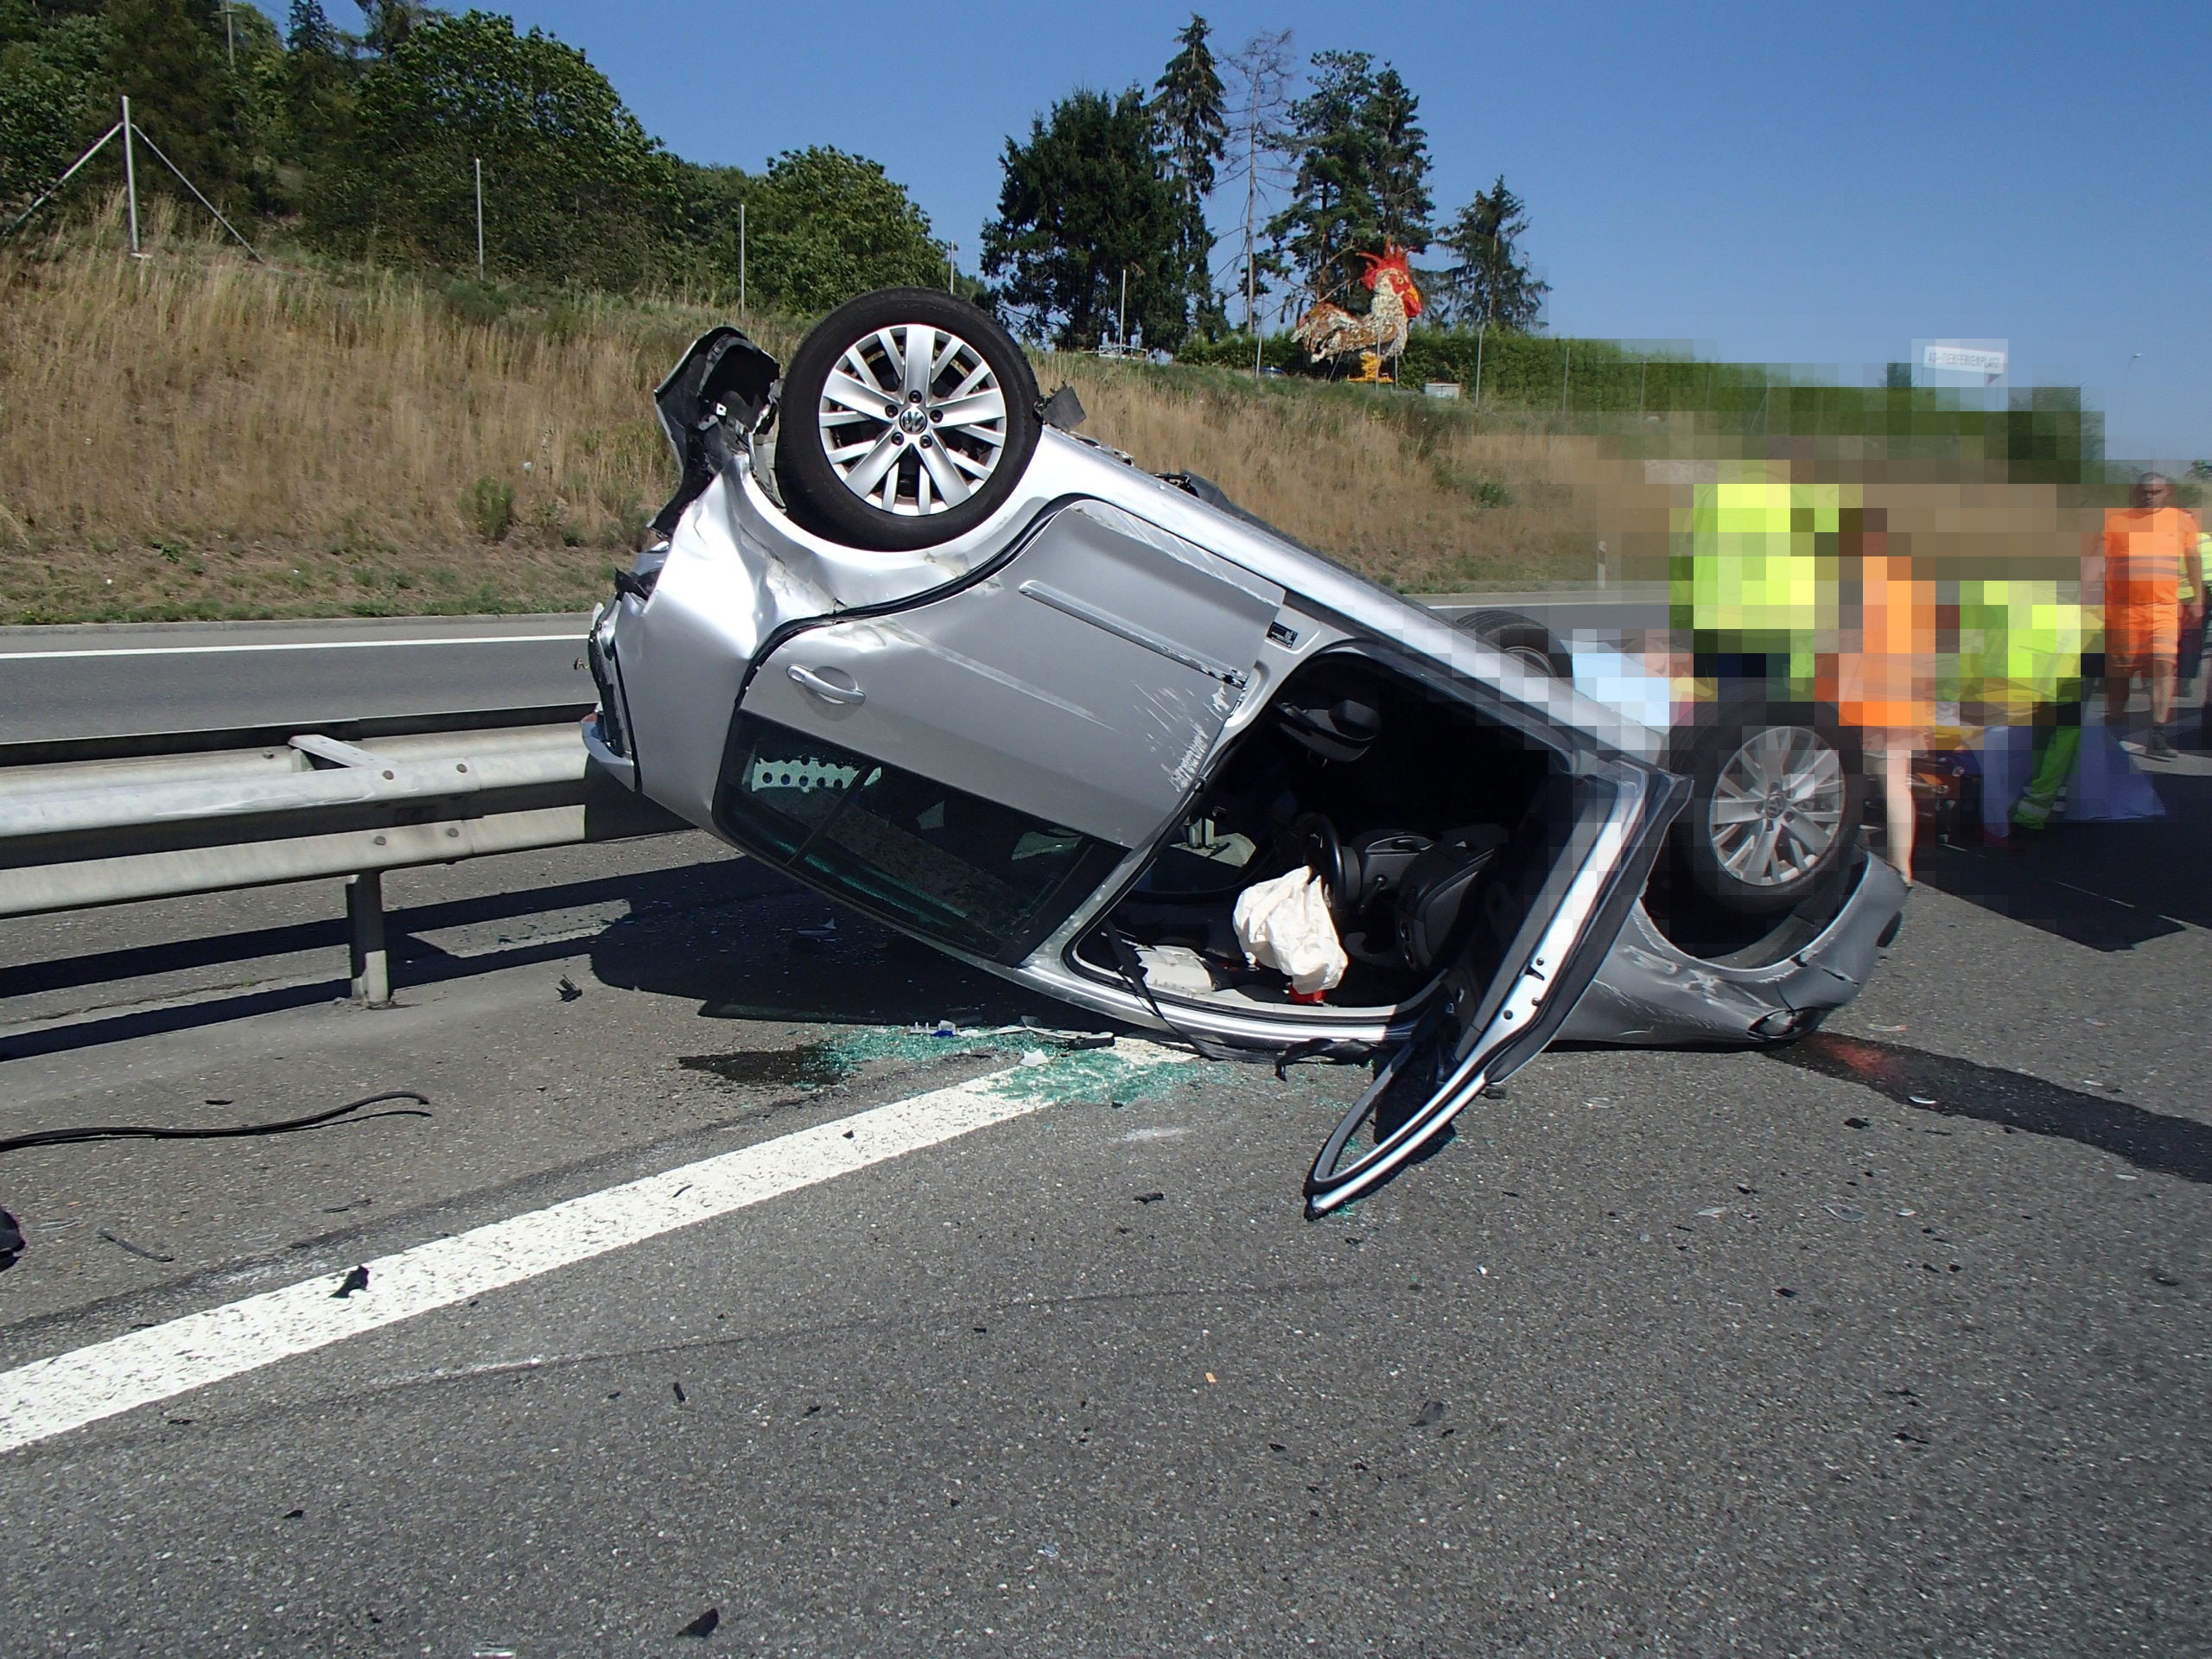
point(1964, 359)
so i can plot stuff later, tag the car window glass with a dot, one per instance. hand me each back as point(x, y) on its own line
point(922, 854)
point(1200, 857)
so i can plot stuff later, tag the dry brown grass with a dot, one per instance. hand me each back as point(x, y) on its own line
point(1429, 497)
point(194, 436)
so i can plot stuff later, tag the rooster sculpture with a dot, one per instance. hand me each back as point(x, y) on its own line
point(1330, 331)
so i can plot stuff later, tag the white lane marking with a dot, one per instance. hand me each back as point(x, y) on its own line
point(575, 639)
point(54, 1395)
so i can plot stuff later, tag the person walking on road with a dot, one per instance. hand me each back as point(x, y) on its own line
point(2149, 546)
point(1884, 685)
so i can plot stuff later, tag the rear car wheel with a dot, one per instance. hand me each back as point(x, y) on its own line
point(1776, 800)
point(1522, 638)
point(906, 419)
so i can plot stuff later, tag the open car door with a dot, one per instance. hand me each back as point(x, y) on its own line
point(1562, 889)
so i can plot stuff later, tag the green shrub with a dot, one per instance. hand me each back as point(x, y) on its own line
point(491, 505)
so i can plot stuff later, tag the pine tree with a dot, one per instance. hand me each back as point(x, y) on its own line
point(1187, 108)
point(1402, 203)
point(1332, 209)
point(319, 93)
point(1492, 285)
point(1084, 201)
point(1363, 172)
point(390, 23)
point(308, 30)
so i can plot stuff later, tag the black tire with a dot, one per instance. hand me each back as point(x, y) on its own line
point(1523, 638)
point(1712, 853)
point(814, 484)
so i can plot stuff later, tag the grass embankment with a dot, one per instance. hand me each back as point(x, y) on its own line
point(194, 436)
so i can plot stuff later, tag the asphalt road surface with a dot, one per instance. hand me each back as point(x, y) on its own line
point(94, 682)
point(104, 682)
point(1894, 1342)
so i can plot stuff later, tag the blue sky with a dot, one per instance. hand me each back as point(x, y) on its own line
point(1781, 183)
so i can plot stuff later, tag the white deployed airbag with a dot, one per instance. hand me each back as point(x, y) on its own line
point(1284, 924)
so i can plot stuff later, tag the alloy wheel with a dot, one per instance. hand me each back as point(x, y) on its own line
point(913, 419)
point(1777, 806)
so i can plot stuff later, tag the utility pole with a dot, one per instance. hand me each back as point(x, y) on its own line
point(480, 219)
point(230, 38)
point(741, 256)
point(951, 258)
point(130, 177)
point(1122, 316)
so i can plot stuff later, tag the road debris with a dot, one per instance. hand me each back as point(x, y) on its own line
point(570, 991)
point(141, 1252)
point(356, 1280)
point(703, 1626)
point(1431, 1414)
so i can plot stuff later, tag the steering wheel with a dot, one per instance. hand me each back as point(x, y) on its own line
point(1316, 837)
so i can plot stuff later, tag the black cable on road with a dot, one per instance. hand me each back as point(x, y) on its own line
point(283, 1126)
point(11, 1234)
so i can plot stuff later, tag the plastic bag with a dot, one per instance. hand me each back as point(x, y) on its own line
point(1284, 924)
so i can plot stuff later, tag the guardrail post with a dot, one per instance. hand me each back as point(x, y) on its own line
point(371, 967)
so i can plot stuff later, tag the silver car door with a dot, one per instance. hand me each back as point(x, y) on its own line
point(1550, 909)
point(1082, 681)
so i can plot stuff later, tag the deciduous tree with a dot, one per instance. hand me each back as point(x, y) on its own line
point(822, 225)
point(573, 188)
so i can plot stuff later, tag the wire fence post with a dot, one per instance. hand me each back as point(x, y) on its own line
point(131, 176)
point(480, 217)
point(215, 212)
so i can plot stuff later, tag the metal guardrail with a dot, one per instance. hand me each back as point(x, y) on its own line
point(76, 834)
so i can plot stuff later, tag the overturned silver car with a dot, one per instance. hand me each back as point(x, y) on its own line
point(905, 637)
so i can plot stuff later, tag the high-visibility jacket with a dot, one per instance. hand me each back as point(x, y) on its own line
point(1757, 567)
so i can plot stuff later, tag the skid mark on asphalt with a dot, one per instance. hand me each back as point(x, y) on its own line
point(66, 1391)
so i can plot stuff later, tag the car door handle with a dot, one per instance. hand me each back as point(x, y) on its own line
point(828, 689)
